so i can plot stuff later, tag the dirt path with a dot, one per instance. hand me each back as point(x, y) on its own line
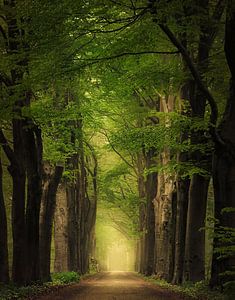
point(113, 286)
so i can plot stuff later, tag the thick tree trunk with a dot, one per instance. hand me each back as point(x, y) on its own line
point(195, 236)
point(18, 174)
point(73, 226)
point(33, 153)
point(142, 214)
point(151, 190)
point(83, 212)
point(163, 226)
point(4, 269)
point(60, 231)
point(181, 221)
point(163, 206)
point(224, 158)
point(91, 216)
point(51, 183)
point(182, 186)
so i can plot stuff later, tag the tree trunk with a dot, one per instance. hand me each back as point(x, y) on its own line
point(4, 270)
point(182, 186)
point(18, 174)
point(181, 221)
point(195, 236)
point(61, 231)
point(151, 190)
point(224, 158)
point(163, 206)
point(52, 180)
point(142, 214)
point(73, 226)
point(33, 154)
point(163, 226)
point(91, 215)
point(83, 211)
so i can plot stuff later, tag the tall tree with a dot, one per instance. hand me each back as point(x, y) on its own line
point(224, 158)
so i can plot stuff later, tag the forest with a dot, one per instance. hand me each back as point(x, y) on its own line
point(117, 140)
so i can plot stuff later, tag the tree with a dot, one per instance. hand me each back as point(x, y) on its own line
point(223, 171)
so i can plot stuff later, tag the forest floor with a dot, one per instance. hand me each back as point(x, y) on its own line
point(113, 286)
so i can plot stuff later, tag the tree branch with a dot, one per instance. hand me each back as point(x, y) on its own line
point(194, 72)
point(7, 149)
point(118, 153)
point(129, 54)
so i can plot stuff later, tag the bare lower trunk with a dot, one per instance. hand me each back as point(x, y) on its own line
point(73, 227)
point(142, 217)
point(33, 149)
point(60, 231)
point(151, 190)
point(164, 207)
point(46, 219)
point(181, 221)
point(195, 236)
point(18, 174)
point(4, 269)
point(163, 224)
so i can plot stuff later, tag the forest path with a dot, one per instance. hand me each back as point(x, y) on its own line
point(113, 286)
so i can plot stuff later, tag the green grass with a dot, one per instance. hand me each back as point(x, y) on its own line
point(10, 292)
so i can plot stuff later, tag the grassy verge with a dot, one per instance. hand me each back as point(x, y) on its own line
point(10, 292)
point(199, 290)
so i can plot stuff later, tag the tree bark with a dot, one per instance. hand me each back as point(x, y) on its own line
point(181, 221)
point(151, 190)
point(51, 181)
point(182, 186)
point(4, 270)
point(33, 154)
point(73, 226)
point(61, 231)
point(163, 205)
point(142, 214)
point(18, 173)
point(195, 236)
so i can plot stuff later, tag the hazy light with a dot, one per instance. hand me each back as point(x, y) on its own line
point(115, 252)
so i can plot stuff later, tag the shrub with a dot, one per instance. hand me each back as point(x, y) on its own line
point(65, 277)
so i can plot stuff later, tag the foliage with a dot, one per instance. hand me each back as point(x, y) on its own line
point(10, 292)
point(65, 277)
point(198, 290)
point(225, 250)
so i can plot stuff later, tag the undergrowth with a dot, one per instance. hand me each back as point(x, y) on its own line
point(11, 292)
point(199, 290)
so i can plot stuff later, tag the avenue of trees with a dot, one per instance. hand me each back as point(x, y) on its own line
point(128, 106)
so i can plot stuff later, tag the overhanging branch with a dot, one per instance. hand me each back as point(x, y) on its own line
point(194, 72)
point(129, 54)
